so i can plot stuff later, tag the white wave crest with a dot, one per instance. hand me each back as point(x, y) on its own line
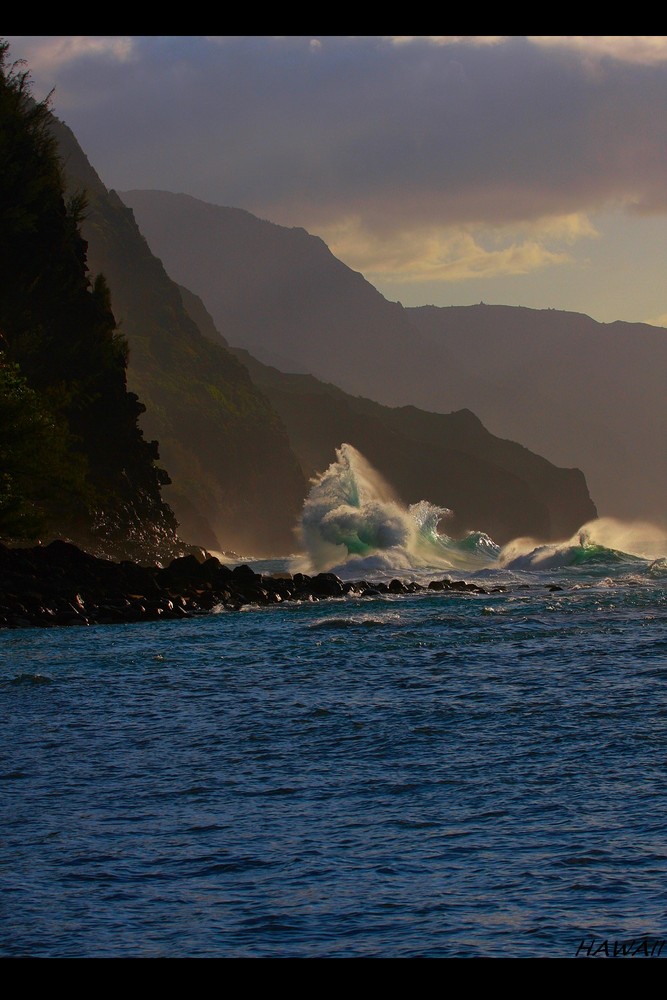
point(353, 523)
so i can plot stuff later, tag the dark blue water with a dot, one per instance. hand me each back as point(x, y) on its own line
point(432, 774)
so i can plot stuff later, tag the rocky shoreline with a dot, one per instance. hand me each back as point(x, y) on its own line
point(60, 584)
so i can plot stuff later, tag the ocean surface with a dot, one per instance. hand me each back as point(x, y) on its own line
point(440, 774)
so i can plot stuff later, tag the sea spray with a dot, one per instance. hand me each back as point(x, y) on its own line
point(354, 525)
point(604, 541)
point(641, 538)
point(351, 512)
point(352, 522)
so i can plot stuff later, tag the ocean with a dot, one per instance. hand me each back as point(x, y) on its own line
point(444, 774)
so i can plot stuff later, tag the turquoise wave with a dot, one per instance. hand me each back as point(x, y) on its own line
point(353, 523)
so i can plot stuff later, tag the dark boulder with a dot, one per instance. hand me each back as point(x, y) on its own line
point(326, 584)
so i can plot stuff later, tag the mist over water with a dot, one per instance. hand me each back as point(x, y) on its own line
point(353, 523)
point(604, 541)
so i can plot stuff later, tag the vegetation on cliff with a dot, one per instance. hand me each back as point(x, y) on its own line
point(73, 459)
point(236, 483)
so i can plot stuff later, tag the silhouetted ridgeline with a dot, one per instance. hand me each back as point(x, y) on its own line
point(72, 458)
point(581, 393)
point(230, 442)
point(236, 482)
point(239, 450)
point(282, 295)
point(491, 485)
point(578, 391)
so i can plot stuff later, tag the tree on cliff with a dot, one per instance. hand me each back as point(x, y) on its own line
point(64, 358)
point(38, 473)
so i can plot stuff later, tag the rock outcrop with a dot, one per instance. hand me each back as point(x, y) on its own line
point(60, 584)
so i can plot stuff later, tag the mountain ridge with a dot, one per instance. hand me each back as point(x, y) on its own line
point(235, 482)
point(451, 459)
point(590, 399)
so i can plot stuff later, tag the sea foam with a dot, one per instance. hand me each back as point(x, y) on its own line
point(353, 522)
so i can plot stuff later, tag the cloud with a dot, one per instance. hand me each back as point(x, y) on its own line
point(403, 133)
point(47, 54)
point(646, 49)
point(568, 229)
point(447, 39)
point(436, 254)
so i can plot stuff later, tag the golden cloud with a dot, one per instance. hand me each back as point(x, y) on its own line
point(449, 254)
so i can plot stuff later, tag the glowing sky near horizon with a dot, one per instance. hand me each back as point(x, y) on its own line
point(525, 170)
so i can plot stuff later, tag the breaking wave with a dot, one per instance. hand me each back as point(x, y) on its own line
point(353, 523)
point(595, 545)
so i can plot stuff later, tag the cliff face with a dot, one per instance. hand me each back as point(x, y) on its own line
point(450, 459)
point(73, 460)
point(580, 393)
point(235, 481)
point(282, 295)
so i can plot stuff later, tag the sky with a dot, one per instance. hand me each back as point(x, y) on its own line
point(449, 170)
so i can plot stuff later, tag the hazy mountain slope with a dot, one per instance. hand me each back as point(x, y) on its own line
point(281, 294)
point(580, 393)
point(450, 459)
point(236, 483)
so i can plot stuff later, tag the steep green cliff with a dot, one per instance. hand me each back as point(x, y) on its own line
point(74, 461)
point(235, 482)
